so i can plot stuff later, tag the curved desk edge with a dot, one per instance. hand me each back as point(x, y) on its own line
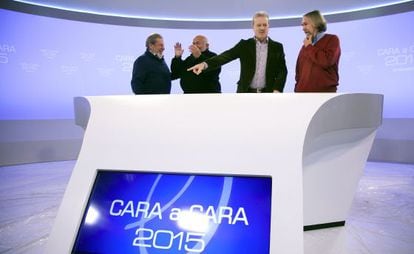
point(336, 147)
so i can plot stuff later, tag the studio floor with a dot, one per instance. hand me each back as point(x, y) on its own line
point(381, 220)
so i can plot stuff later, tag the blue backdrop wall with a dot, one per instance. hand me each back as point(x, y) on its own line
point(45, 62)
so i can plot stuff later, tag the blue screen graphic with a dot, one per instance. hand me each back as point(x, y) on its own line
point(149, 213)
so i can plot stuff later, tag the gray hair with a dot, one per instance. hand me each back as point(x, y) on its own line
point(152, 39)
point(260, 14)
point(318, 20)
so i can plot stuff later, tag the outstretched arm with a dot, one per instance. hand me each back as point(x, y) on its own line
point(198, 68)
point(219, 60)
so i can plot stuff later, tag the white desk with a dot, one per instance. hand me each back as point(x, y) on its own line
point(323, 139)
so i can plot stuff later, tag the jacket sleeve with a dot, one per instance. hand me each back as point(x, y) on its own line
point(225, 57)
point(177, 68)
point(138, 76)
point(281, 72)
point(297, 69)
point(212, 75)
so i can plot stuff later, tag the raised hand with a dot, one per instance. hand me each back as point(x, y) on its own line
point(178, 50)
point(308, 40)
point(195, 51)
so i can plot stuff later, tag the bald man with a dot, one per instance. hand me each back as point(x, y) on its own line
point(208, 82)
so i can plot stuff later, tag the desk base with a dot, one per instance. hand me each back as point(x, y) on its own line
point(324, 225)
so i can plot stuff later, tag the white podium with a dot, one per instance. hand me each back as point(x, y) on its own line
point(313, 146)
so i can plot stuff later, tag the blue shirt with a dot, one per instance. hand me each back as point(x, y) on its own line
point(317, 38)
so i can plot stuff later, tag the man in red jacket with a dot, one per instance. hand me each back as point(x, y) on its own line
point(318, 60)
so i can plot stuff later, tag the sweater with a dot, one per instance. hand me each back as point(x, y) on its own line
point(317, 66)
point(206, 82)
point(150, 75)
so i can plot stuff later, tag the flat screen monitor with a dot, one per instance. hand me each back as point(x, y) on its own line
point(153, 212)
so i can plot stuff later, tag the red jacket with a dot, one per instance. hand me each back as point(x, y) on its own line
point(317, 66)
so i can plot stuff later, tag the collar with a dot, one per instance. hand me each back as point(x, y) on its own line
point(265, 41)
point(317, 37)
point(158, 56)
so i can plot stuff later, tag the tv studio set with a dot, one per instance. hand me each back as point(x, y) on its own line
point(217, 127)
